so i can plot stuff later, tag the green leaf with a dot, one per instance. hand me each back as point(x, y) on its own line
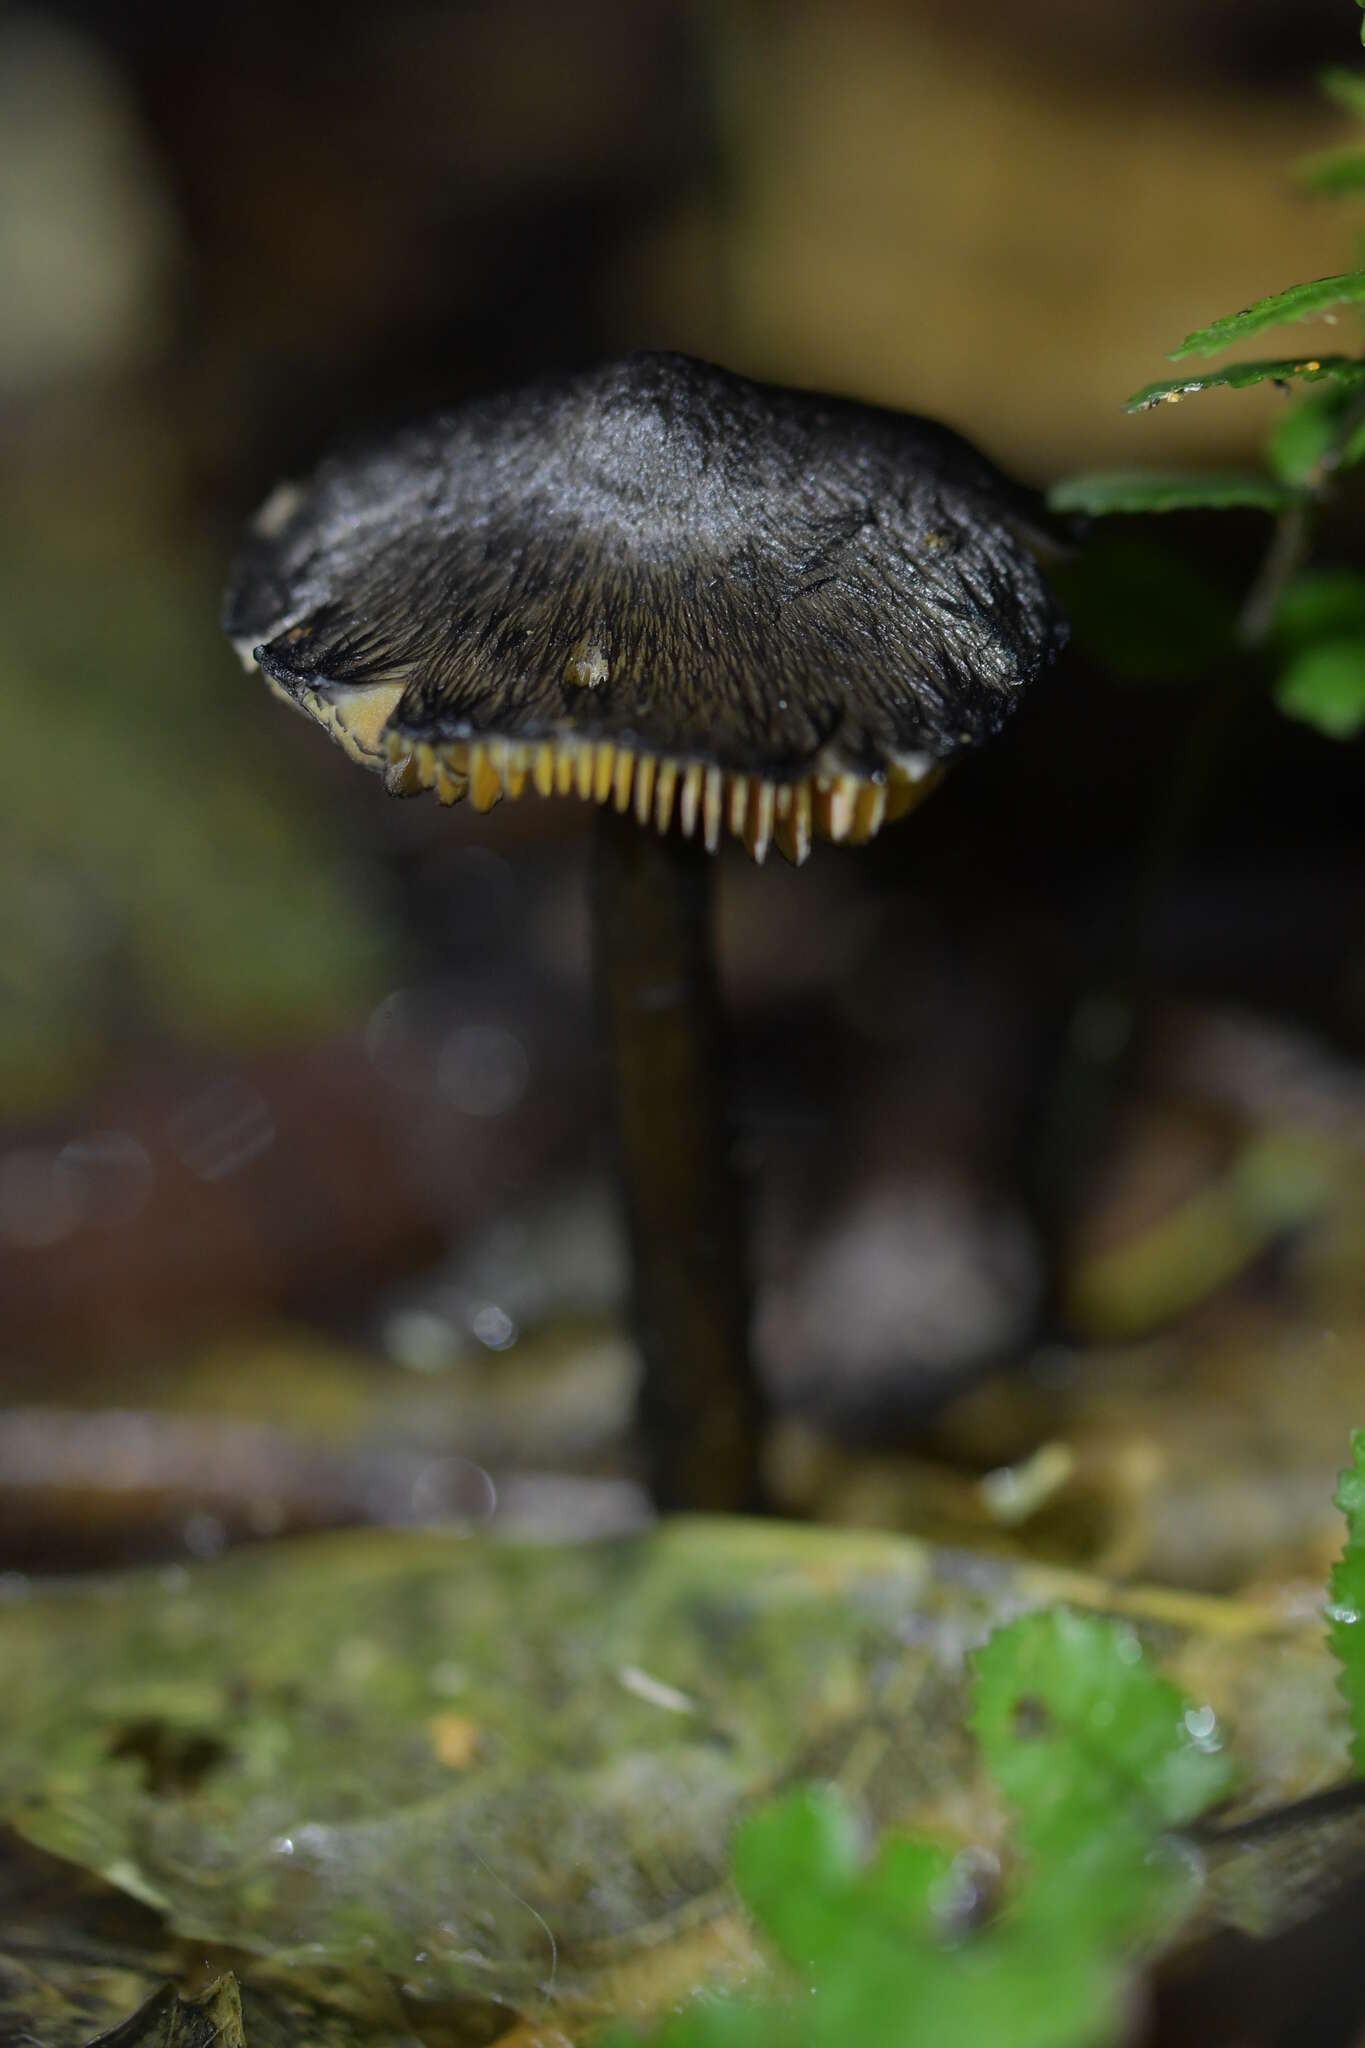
point(1321, 604)
point(1098, 1756)
point(872, 1968)
point(1347, 88)
point(1324, 687)
point(1153, 491)
point(1009, 1991)
point(794, 1865)
point(905, 1878)
point(1331, 173)
point(798, 1867)
point(1346, 1595)
point(1300, 302)
point(1240, 376)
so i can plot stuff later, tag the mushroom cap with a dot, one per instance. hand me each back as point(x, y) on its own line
point(656, 576)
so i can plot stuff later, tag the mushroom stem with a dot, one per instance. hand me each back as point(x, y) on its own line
point(699, 1404)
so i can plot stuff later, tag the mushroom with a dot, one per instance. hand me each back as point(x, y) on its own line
point(707, 606)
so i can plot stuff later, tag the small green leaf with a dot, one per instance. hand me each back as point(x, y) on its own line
point(1321, 604)
point(798, 1866)
point(903, 1879)
point(1239, 376)
point(1331, 173)
point(1324, 686)
point(794, 1864)
point(1155, 491)
point(1347, 88)
point(1098, 1756)
point(1300, 302)
point(1346, 1595)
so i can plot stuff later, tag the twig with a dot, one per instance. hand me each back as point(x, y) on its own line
point(1282, 561)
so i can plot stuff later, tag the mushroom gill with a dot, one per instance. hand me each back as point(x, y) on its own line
point(701, 799)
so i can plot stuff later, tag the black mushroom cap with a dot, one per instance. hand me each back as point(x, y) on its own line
point(656, 578)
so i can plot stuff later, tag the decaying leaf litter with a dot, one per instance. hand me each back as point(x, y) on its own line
point(503, 1774)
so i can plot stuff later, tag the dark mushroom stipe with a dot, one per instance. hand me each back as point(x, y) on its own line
point(684, 1206)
